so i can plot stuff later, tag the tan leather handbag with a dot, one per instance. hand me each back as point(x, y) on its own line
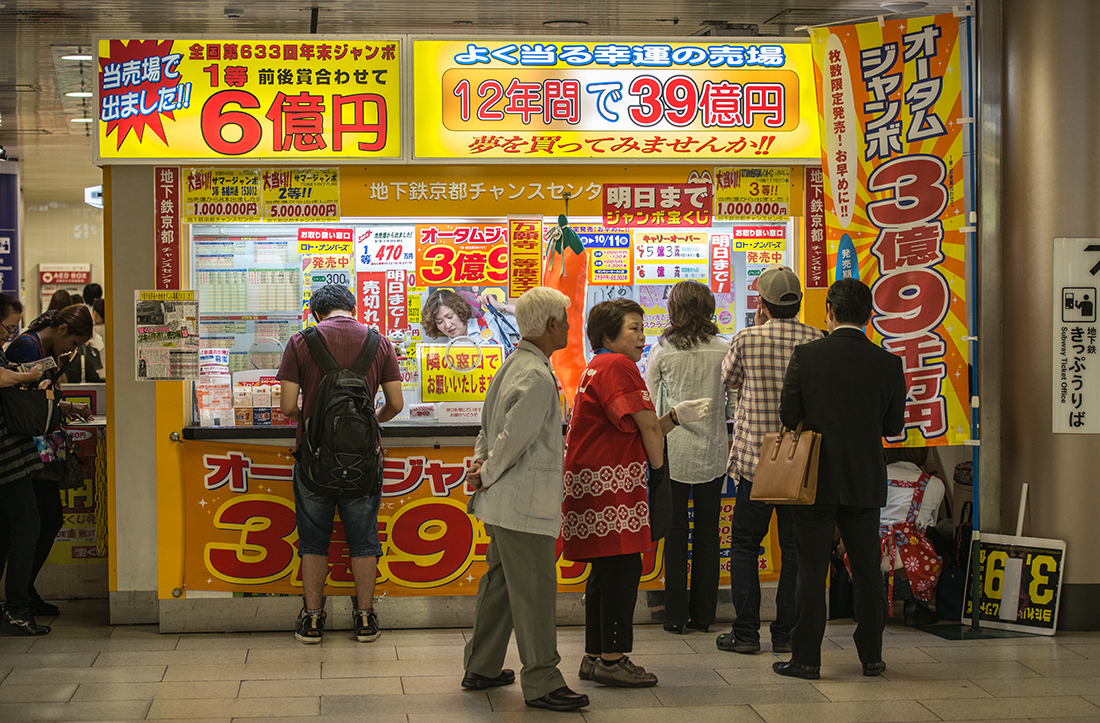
point(787, 471)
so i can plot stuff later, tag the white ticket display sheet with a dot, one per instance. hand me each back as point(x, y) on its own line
point(167, 335)
point(1076, 407)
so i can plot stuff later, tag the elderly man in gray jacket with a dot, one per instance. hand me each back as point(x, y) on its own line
point(517, 483)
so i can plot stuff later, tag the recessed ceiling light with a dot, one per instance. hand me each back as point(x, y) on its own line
point(79, 94)
point(81, 120)
point(566, 24)
point(902, 7)
point(81, 56)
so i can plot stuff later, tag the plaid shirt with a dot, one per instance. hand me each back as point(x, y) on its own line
point(755, 365)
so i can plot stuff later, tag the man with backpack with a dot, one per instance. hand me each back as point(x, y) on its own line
point(338, 366)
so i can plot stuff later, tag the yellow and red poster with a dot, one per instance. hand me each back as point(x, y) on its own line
point(526, 98)
point(457, 373)
point(295, 99)
point(301, 195)
point(763, 194)
point(240, 532)
point(525, 254)
point(894, 176)
point(221, 195)
point(474, 254)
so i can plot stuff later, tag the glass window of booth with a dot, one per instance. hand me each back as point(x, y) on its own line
point(253, 284)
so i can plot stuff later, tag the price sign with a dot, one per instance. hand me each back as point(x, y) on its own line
point(213, 195)
point(301, 195)
point(754, 193)
point(1020, 582)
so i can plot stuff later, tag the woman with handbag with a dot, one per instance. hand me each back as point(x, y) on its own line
point(605, 521)
point(686, 363)
point(54, 334)
point(19, 465)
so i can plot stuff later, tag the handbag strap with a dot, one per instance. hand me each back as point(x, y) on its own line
point(797, 432)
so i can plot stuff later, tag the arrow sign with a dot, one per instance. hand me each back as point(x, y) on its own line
point(1096, 268)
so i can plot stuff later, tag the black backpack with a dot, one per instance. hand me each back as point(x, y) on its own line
point(341, 455)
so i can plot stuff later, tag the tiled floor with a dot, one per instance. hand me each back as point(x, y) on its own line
point(87, 670)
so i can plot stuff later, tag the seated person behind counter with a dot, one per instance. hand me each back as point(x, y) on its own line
point(449, 315)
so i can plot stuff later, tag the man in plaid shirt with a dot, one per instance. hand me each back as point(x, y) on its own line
point(755, 365)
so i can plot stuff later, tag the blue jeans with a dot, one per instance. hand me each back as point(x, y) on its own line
point(750, 525)
point(315, 517)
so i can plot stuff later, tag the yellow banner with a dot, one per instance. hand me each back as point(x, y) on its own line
point(459, 374)
point(297, 99)
point(240, 528)
point(895, 171)
point(221, 195)
point(301, 195)
point(762, 194)
point(524, 254)
point(497, 98)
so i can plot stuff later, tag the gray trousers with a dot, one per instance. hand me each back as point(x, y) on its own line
point(518, 590)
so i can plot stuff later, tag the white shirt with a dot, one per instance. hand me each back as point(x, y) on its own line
point(697, 451)
point(898, 499)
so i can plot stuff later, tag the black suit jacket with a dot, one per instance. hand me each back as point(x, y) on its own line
point(853, 393)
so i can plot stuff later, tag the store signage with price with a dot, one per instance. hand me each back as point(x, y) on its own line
point(1021, 583)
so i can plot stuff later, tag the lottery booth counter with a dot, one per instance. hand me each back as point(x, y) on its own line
point(404, 168)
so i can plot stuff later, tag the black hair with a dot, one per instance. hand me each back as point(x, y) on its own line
point(99, 307)
point(782, 311)
point(605, 320)
point(915, 455)
point(9, 305)
point(850, 300)
point(76, 318)
point(92, 292)
point(329, 298)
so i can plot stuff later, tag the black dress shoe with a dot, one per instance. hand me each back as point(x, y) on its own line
point(873, 669)
point(560, 699)
point(796, 670)
point(473, 681)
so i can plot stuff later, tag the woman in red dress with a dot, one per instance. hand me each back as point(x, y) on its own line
point(613, 432)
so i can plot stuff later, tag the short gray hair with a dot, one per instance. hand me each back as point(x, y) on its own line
point(536, 306)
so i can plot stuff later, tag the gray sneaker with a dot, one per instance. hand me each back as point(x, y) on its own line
point(587, 664)
point(622, 674)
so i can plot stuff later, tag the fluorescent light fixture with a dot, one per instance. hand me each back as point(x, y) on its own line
point(903, 7)
point(81, 120)
point(81, 56)
point(79, 94)
point(566, 24)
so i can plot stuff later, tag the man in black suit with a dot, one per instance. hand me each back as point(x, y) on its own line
point(852, 392)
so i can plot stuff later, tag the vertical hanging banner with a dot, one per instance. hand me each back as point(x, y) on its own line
point(894, 174)
point(464, 255)
point(720, 262)
point(299, 99)
point(816, 258)
point(524, 254)
point(166, 225)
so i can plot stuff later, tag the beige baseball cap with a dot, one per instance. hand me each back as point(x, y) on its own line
point(779, 285)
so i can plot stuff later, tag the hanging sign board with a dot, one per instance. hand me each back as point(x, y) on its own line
point(295, 100)
point(1076, 393)
point(762, 194)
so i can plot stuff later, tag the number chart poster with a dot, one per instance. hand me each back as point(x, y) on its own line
point(280, 100)
point(894, 175)
point(240, 533)
point(498, 98)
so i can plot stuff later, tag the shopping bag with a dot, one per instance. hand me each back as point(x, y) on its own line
point(787, 471)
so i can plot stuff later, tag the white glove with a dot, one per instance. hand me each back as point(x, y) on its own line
point(692, 410)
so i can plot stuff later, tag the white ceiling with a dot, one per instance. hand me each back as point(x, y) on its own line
point(55, 154)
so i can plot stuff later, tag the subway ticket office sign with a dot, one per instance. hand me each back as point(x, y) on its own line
point(240, 532)
point(1020, 583)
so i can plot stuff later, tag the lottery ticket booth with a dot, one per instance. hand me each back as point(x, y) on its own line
point(241, 173)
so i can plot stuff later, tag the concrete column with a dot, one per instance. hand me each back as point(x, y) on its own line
point(1051, 188)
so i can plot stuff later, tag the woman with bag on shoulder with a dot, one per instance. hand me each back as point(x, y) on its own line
point(606, 517)
point(19, 465)
point(686, 363)
point(57, 333)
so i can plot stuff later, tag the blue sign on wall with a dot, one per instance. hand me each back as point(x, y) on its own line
point(9, 232)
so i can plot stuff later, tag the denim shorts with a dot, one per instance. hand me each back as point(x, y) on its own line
point(315, 517)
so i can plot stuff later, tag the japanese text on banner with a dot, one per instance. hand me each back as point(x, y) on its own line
point(891, 104)
point(291, 99)
point(463, 255)
point(682, 205)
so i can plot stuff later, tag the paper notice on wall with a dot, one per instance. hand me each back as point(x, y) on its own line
point(167, 336)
